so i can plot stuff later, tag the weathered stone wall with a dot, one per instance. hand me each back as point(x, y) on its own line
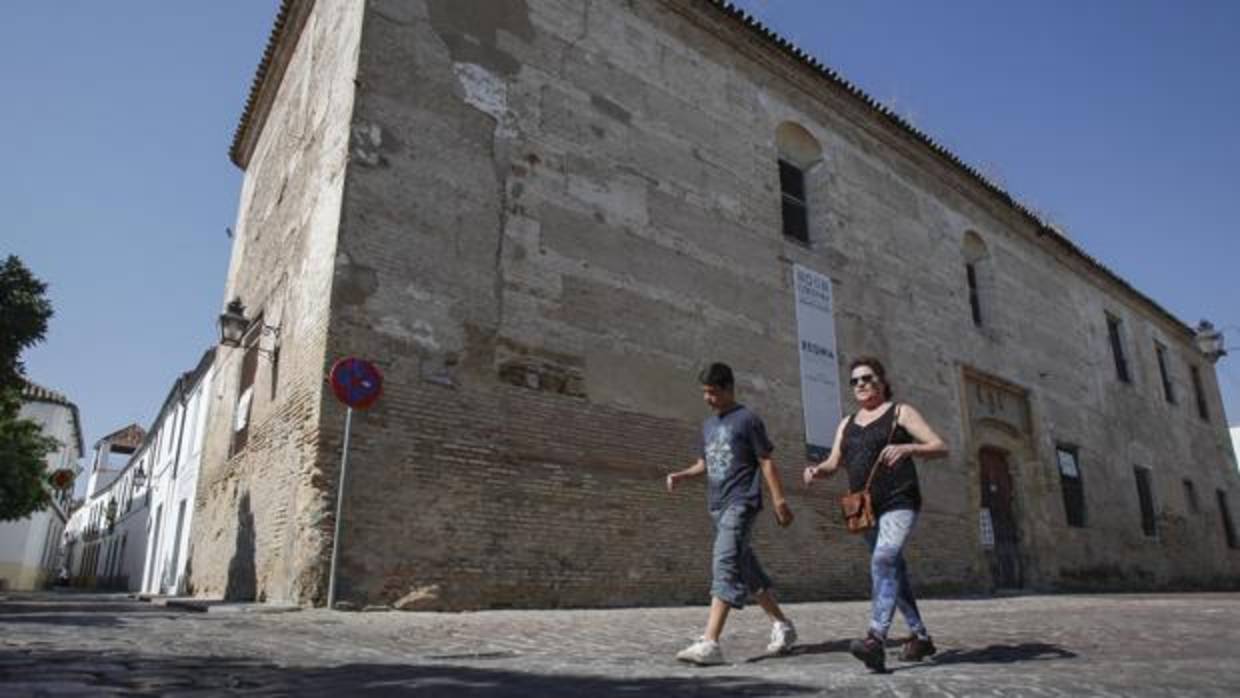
point(555, 212)
point(558, 211)
point(263, 515)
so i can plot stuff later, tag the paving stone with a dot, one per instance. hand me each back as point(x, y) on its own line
point(1127, 645)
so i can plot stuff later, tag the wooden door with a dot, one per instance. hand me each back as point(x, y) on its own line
point(998, 497)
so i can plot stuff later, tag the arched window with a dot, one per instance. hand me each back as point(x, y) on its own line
point(798, 152)
point(978, 276)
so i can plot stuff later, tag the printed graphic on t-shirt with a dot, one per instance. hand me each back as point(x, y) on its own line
point(719, 454)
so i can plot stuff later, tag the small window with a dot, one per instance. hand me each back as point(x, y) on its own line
point(1073, 489)
point(795, 210)
point(245, 396)
point(275, 370)
point(1168, 389)
point(978, 276)
point(1190, 497)
point(1229, 530)
point(1146, 496)
point(1202, 411)
point(1114, 331)
point(975, 301)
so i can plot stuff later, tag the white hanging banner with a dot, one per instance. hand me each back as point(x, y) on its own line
point(820, 383)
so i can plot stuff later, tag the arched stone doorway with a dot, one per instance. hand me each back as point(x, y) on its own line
point(1001, 449)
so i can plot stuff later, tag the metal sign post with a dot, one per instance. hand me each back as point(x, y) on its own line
point(357, 384)
point(344, 465)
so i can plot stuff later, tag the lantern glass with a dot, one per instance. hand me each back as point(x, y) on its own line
point(233, 324)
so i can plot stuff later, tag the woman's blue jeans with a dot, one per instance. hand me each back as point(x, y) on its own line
point(889, 574)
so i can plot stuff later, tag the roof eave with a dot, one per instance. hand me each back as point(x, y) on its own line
point(1043, 228)
point(290, 19)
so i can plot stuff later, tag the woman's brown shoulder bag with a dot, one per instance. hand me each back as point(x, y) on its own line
point(857, 507)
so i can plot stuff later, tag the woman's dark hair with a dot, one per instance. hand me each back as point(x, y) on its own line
point(877, 367)
point(717, 375)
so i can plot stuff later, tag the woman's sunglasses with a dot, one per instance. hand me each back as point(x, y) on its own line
point(866, 379)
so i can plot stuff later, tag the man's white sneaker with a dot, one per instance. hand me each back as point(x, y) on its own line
point(782, 637)
point(703, 653)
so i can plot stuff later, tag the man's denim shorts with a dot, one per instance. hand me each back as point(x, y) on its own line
point(735, 568)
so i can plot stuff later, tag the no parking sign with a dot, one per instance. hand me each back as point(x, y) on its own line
point(358, 384)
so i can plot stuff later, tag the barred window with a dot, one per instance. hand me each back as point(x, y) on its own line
point(1168, 389)
point(1145, 495)
point(1229, 529)
point(1202, 411)
point(1073, 488)
point(795, 210)
point(1114, 332)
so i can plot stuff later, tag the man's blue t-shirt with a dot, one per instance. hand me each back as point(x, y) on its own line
point(732, 444)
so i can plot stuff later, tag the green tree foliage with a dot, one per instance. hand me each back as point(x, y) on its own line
point(24, 312)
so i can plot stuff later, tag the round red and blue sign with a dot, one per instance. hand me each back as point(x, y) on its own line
point(61, 479)
point(356, 382)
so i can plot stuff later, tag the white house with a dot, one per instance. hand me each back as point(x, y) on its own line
point(132, 533)
point(174, 479)
point(29, 549)
point(105, 537)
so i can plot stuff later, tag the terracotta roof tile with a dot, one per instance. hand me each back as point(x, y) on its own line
point(33, 392)
point(129, 437)
point(1044, 228)
point(279, 34)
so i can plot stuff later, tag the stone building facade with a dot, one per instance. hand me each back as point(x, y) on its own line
point(540, 217)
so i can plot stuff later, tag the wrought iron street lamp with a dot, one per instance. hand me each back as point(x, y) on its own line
point(1209, 341)
point(233, 323)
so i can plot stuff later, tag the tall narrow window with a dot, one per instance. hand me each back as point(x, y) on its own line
point(1114, 331)
point(975, 301)
point(1190, 497)
point(978, 277)
point(245, 397)
point(1168, 390)
point(1145, 494)
point(275, 369)
point(1202, 411)
point(1073, 490)
point(795, 210)
point(799, 156)
point(1229, 530)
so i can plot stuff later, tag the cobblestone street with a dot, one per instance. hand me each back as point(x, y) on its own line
point(1123, 645)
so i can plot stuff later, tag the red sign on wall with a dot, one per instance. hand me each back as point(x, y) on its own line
point(356, 382)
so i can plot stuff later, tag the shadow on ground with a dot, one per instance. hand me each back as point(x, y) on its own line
point(74, 610)
point(150, 675)
point(1004, 654)
point(818, 648)
point(992, 654)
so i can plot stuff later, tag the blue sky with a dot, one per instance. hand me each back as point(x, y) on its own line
point(1114, 119)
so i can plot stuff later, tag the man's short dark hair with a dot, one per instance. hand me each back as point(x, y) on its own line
point(717, 375)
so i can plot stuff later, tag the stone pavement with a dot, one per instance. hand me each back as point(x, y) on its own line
point(1122, 645)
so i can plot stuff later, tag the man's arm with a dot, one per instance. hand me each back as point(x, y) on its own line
point(694, 470)
point(783, 513)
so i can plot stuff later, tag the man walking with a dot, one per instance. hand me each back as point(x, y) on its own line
point(736, 457)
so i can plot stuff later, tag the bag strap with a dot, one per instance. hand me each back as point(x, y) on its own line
point(895, 420)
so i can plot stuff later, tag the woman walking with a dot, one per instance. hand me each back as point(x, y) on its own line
point(883, 436)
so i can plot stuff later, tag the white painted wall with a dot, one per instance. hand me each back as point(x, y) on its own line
point(112, 556)
point(172, 502)
point(29, 549)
